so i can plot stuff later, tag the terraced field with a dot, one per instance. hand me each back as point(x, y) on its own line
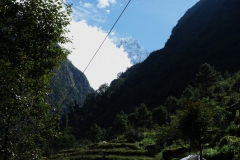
point(105, 151)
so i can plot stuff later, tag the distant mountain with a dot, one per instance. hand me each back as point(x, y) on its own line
point(135, 52)
point(64, 80)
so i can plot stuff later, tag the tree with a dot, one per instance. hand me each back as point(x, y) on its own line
point(190, 93)
point(64, 122)
point(133, 136)
point(171, 104)
point(206, 77)
point(141, 116)
point(31, 34)
point(159, 115)
point(89, 103)
point(169, 131)
point(120, 124)
point(236, 86)
point(196, 121)
point(96, 133)
point(102, 89)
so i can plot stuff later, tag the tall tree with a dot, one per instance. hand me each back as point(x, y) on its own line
point(196, 121)
point(206, 77)
point(171, 104)
point(96, 133)
point(159, 115)
point(142, 116)
point(30, 32)
point(120, 124)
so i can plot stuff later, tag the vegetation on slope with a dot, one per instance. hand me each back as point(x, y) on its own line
point(68, 79)
point(107, 151)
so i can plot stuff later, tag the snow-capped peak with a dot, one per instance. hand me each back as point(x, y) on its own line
point(135, 52)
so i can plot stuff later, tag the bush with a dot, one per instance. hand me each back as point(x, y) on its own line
point(214, 141)
point(133, 136)
point(233, 130)
point(210, 153)
point(225, 152)
point(84, 142)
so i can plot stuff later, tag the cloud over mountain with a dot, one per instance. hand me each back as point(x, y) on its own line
point(109, 61)
point(87, 36)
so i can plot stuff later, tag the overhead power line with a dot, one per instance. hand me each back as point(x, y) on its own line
point(95, 54)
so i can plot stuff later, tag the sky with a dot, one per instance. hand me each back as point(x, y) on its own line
point(150, 22)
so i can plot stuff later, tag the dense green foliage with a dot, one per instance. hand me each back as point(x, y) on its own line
point(196, 121)
point(193, 118)
point(30, 32)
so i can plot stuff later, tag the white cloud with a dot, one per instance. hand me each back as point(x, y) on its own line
point(105, 3)
point(87, 5)
point(108, 11)
point(108, 62)
point(112, 33)
point(88, 12)
point(82, 13)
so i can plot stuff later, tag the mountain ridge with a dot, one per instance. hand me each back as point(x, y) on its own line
point(179, 55)
point(169, 70)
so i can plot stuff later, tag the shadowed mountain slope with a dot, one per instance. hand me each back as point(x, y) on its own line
point(207, 33)
point(64, 80)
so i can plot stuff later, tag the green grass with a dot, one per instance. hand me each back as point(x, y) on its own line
point(108, 151)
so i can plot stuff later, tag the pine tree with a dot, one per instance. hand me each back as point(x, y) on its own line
point(120, 124)
point(206, 77)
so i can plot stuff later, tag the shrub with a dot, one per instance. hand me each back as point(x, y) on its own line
point(233, 130)
point(133, 136)
point(224, 151)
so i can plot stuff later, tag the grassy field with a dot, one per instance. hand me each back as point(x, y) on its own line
point(106, 151)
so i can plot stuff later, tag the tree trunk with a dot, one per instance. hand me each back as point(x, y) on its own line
point(200, 149)
point(5, 148)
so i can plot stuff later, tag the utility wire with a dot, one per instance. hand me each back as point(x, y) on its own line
point(95, 54)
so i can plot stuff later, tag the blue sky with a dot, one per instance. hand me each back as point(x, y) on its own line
point(148, 21)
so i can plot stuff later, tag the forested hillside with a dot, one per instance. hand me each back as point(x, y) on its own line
point(68, 79)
